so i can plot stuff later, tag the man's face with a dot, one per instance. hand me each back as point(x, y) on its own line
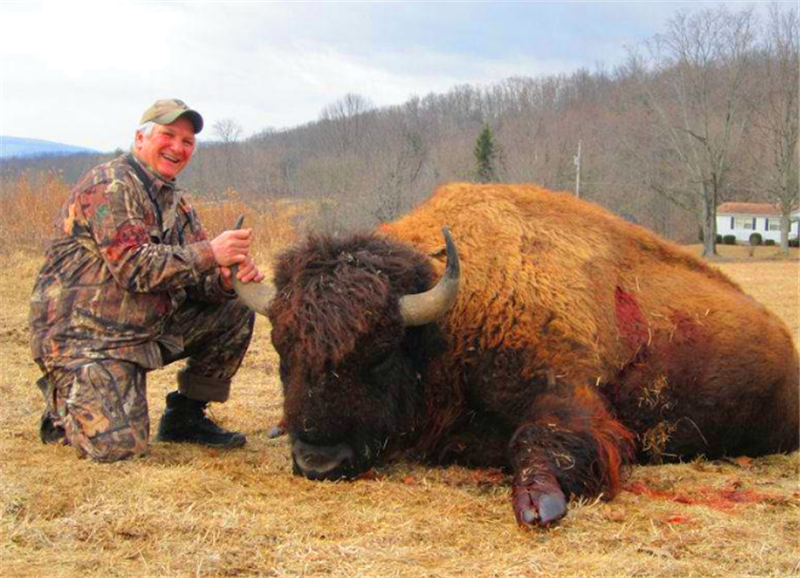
point(169, 147)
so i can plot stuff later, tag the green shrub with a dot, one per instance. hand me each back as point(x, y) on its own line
point(756, 239)
point(770, 243)
point(729, 239)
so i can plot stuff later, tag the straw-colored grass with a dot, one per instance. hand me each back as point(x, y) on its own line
point(190, 511)
point(28, 207)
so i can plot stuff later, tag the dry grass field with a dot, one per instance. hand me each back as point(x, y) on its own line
point(189, 511)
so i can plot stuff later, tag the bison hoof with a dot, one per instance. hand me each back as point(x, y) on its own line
point(537, 507)
point(276, 432)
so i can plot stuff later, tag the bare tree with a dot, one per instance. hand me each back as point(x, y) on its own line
point(776, 118)
point(405, 152)
point(345, 120)
point(228, 131)
point(696, 96)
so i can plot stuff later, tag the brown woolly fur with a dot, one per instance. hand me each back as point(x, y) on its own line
point(336, 323)
point(330, 322)
point(577, 340)
point(530, 245)
point(606, 299)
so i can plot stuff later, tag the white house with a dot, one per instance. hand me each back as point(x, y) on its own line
point(744, 219)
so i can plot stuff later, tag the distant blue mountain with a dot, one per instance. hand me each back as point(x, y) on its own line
point(12, 146)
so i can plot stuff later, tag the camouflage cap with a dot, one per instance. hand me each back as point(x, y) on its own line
point(168, 110)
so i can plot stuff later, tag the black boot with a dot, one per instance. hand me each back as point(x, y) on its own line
point(49, 432)
point(185, 420)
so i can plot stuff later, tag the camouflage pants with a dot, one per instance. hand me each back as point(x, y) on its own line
point(101, 405)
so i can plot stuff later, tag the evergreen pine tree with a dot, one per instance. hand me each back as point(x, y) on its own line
point(485, 155)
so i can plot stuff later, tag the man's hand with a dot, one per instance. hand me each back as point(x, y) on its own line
point(248, 272)
point(231, 247)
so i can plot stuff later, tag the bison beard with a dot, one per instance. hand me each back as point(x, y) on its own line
point(577, 342)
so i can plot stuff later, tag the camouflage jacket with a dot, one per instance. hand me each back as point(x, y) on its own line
point(128, 250)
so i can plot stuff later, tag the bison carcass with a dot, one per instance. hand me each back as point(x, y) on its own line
point(571, 343)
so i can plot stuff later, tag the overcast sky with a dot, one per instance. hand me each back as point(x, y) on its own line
point(82, 73)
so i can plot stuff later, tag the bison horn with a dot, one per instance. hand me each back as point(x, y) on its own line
point(429, 306)
point(256, 296)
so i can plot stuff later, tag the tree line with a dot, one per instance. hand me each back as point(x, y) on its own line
point(702, 113)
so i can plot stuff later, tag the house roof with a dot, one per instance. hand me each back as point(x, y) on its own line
point(766, 209)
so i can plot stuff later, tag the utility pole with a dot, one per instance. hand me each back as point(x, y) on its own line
point(577, 161)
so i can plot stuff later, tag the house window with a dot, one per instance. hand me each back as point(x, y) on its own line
point(743, 223)
point(774, 225)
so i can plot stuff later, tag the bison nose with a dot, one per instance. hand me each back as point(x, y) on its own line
point(321, 462)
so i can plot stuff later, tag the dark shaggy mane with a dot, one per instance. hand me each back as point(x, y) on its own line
point(334, 292)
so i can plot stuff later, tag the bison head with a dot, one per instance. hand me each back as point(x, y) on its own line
point(352, 324)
